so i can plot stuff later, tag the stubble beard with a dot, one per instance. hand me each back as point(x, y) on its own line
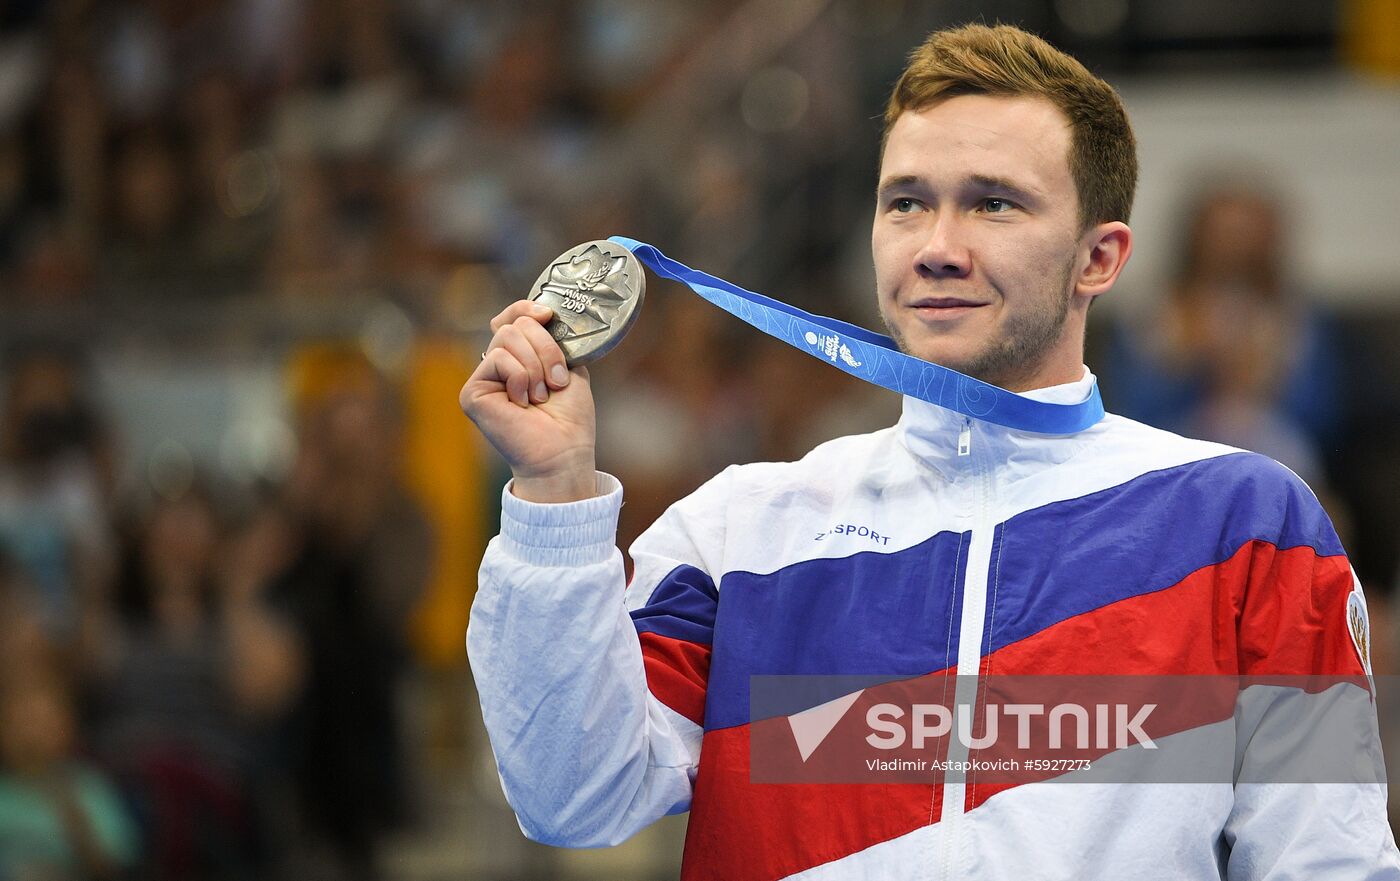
point(1015, 355)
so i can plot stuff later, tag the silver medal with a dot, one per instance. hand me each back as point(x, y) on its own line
point(595, 290)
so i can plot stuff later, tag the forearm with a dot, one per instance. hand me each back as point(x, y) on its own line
point(586, 756)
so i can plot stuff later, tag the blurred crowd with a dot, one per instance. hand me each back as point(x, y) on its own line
point(203, 677)
point(194, 685)
point(195, 148)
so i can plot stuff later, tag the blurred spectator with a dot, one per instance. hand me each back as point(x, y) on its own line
point(55, 479)
point(192, 668)
point(232, 183)
point(359, 561)
point(72, 127)
point(60, 818)
point(1235, 354)
point(305, 257)
point(152, 245)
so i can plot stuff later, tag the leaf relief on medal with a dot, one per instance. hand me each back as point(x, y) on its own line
point(585, 293)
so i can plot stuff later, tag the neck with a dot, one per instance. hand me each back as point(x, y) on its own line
point(1043, 377)
point(1060, 363)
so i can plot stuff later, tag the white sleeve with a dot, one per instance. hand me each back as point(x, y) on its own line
point(587, 755)
point(1310, 791)
point(1310, 801)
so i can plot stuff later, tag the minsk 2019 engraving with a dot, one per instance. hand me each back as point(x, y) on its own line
point(595, 290)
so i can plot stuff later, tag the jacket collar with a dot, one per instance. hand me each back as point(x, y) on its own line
point(931, 433)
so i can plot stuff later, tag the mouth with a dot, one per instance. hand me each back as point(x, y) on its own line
point(944, 307)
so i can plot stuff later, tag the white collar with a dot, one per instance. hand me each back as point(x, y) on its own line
point(932, 432)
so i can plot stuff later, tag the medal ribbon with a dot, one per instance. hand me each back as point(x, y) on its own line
point(874, 357)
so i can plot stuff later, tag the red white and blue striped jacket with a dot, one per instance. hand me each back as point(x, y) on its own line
point(939, 544)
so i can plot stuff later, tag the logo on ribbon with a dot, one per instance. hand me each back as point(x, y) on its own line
point(831, 347)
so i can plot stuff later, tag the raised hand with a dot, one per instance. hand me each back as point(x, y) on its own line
point(533, 409)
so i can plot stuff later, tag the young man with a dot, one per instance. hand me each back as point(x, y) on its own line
point(1006, 182)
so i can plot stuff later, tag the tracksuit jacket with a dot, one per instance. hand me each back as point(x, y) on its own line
point(942, 543)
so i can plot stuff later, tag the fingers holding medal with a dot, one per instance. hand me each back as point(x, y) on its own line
point(522, 354)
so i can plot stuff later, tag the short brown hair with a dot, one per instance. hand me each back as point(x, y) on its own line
point(1007, 61)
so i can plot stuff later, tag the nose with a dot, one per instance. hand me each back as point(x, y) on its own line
point(943, 253)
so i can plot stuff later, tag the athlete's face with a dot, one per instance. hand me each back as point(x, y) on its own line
point(980, 264)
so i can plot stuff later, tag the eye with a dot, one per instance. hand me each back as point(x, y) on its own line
point(996, 205)
point(903, 205)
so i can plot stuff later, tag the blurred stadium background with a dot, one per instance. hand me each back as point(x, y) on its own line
point(248, 249)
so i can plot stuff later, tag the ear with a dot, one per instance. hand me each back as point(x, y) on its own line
point(1104, 251)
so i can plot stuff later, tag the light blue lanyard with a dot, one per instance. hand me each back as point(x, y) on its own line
point(874, 357)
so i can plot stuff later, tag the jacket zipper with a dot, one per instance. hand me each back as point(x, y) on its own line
point(970, 635)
